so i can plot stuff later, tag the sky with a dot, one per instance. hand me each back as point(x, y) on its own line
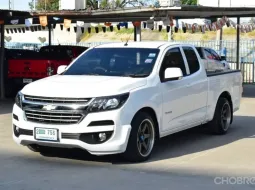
point(18, 4)
point(23, 4)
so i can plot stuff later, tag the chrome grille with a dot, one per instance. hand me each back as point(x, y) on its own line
point(50, 117)
point(57, 100)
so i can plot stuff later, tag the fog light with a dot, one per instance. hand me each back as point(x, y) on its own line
point(17, 129)
point(102, 137)
point(16, 117)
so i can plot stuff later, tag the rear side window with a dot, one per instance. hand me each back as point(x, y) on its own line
point(192, 59)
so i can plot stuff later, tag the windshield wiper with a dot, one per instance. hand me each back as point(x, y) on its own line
point(138, 75)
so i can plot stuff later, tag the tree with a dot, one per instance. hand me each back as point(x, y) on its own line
point(31, 5)
point(115, 4)
point(92, 3)
point(49, 5)
point(124, 3)
point(189, 2)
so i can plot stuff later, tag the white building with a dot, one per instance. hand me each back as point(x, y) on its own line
point(72, 4)
point(169, 3)
point(227, 3)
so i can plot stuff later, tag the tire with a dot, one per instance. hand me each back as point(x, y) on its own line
point(222, 118)
point(142, 138)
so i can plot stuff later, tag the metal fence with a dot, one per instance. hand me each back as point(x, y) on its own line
point(37, 46)
point(247, 52)
point(246, 55)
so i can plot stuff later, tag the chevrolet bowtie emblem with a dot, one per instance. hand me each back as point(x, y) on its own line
point(49, 107)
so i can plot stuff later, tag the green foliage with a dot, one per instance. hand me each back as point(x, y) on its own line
point(31, 5)
point(125, 31)
point(92, 3)
point(104, 4)
point(49, 5)
point(189, 2)
point(229, 31)
point(114, 4)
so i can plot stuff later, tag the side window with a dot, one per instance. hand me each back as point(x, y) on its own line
point(173, 58)
point(192, 59)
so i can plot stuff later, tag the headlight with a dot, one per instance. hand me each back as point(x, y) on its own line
point(18, 99)
point(108, 103)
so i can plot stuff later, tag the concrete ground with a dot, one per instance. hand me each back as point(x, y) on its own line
point(187, 160)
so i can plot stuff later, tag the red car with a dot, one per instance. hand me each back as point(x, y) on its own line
point(28, 66)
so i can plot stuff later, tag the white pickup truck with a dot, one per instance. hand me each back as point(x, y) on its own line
point(122, 97)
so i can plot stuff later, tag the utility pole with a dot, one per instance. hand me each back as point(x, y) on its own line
point(10, 4)
point(221, 32)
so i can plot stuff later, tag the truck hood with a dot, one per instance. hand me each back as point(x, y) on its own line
point(82, 86)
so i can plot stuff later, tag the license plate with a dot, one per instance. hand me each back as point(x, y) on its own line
point(46, 134)
point(27, 81)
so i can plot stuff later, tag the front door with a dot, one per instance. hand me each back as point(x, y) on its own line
point(176, 101)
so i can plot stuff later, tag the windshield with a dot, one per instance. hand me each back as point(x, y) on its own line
point(136, 62)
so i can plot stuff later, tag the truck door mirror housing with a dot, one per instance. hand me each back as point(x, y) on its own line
point(223, 58)
point(173, 74)
point(61, 69)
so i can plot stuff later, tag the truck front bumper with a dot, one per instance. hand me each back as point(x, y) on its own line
point(75, 135)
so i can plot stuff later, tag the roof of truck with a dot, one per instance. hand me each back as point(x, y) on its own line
point(136, 44)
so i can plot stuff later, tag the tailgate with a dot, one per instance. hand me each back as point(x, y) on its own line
point(27, 68)
point(33, 69)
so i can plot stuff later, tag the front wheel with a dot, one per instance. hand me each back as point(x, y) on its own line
point(142, 138)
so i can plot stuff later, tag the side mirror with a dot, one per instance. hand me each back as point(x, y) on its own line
point(223, 58)
point(61, 69)
point(173, 74)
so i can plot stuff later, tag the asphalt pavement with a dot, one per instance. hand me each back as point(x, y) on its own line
point(190, 160)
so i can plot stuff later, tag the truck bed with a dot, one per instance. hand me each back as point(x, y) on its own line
point(218, 82)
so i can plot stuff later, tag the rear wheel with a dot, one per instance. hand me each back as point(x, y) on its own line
point(222, 117)
point(142, 138)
